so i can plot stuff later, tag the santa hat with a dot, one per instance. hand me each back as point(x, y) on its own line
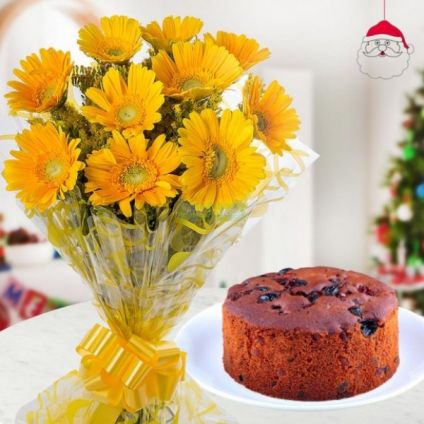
point(384, 29)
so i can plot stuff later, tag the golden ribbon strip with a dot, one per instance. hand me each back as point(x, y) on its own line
point(130, 374)
point(194, 227)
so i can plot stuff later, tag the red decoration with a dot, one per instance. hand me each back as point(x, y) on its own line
point(397, 275)
point(4, 316)
point(382, 233)
point(26, 303)
point(32, 304)
point(393, 191)
point(407, 124)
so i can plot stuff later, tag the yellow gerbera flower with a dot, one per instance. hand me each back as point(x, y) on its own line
point(129, 107)
point(43, 81)
point(196, 70)
point(246, 50)
point(223, 167)
point(173, 29)
point(128, 171)
point(45, 167)
point(274, 120)
point(117, 39)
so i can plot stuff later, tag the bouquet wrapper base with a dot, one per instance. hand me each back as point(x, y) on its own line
point(143, 277)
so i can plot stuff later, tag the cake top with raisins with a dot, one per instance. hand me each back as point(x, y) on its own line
point(319, 299)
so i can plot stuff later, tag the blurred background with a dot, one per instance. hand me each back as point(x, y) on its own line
point(355, 123)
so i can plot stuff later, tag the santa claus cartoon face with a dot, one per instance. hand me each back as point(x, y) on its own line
point(382, 47)
point(384, 52)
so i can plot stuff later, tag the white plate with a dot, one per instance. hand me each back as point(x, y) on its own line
point(201, 338)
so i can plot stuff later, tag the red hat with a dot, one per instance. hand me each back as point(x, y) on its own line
point(384, 29)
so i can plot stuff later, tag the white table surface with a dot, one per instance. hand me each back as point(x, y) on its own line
point(36, 352)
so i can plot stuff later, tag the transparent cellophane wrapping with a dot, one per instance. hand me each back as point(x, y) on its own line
point(143, 277)
point(129, 267)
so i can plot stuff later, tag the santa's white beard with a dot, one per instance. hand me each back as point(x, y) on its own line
point(382, 66)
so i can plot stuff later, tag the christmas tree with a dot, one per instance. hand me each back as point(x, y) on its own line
point(400, 226)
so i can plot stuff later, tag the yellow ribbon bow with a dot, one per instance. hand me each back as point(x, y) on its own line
point(129, 374)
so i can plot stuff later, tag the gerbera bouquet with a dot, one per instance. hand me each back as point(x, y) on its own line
point(142, 177)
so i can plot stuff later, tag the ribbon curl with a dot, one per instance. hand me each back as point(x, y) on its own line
point(129, 374)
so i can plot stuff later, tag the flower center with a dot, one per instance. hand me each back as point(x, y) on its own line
point(262, 122)
point(115, 51)
point(114, 47)
point(47, 93)
point(54, 168)
point(219, 163)
point(127, 113)
point(135, 175)
point(191, 83)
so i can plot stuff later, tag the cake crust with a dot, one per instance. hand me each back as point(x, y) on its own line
point(311, 334)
